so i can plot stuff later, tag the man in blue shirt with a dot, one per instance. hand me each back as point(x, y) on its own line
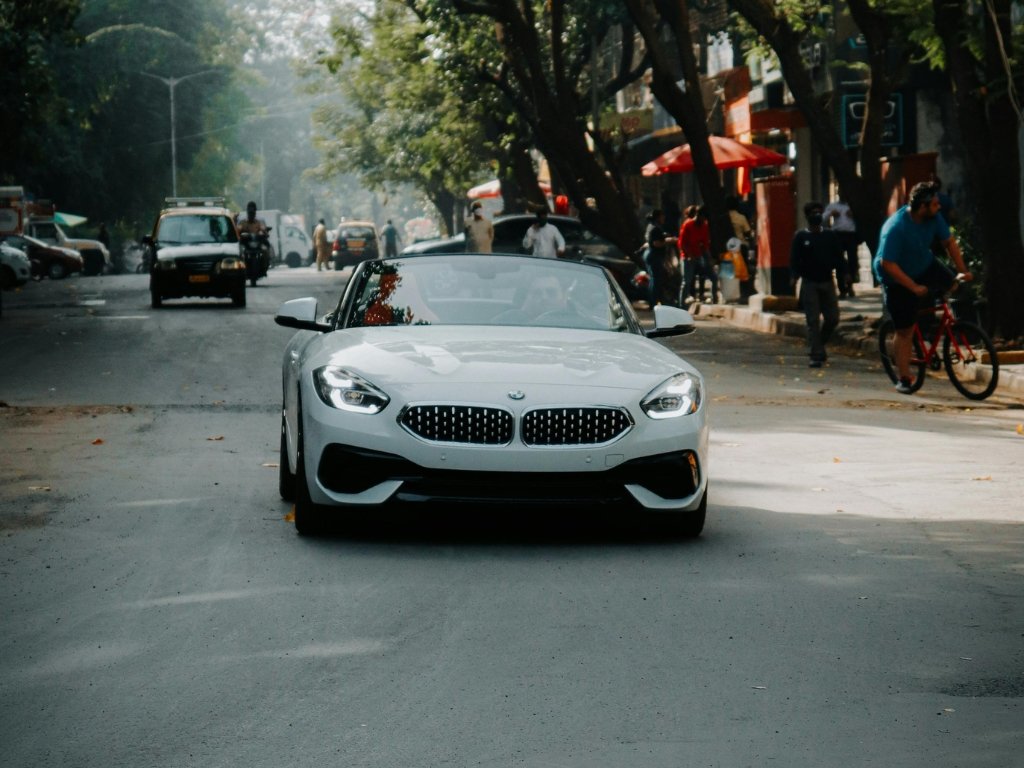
point(907, 269)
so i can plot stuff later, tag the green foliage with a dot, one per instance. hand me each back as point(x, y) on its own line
point(30, 88)
point(403, 118)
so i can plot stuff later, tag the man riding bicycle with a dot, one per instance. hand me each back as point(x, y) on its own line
point(908, 270)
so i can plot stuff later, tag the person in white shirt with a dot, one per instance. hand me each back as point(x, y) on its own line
point(544, 239)
point(839, 217)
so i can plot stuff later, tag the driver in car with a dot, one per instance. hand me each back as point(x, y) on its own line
point(544, 295)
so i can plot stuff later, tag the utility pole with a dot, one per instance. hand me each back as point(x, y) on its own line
point(172, 83)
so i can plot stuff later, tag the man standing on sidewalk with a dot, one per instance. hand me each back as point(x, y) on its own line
point(814, 255)
point(322, 247)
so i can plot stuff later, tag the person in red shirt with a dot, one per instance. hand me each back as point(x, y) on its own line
point(695, 247)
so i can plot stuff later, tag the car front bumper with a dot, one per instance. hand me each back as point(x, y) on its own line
point(178, 283)
point(359, 460)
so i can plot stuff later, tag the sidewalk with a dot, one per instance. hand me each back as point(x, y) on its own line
point(858, 327)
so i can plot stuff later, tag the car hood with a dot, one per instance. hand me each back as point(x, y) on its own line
point(206, 250)
point(397, 357)
point(80, 244)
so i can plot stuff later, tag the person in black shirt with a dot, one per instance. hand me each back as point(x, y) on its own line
point(814, 255)
point(657, 260)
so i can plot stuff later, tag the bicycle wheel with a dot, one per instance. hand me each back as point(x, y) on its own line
point(886, 336)
point(971, 361)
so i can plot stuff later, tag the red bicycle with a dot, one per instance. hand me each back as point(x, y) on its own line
point(967, 351)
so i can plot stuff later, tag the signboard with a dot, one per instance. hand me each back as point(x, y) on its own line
point(628, 123)
point(12, 201)
point(854, 106)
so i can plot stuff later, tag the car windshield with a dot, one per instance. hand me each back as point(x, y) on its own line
point(192, 229)
point(485, 290)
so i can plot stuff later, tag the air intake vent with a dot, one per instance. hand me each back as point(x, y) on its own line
point(459, 424)
point(574, 426)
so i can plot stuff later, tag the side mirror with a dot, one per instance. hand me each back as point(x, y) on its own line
point(300, 314)
point(671, 321)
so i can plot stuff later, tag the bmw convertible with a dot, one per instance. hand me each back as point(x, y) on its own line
point(467, 379)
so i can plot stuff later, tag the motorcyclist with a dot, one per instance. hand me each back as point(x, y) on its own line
point(258, 228)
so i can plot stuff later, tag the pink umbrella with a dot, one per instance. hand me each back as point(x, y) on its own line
point(492, 188)
point(726, 153)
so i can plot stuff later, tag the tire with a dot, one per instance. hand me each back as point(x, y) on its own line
point(309, 518)
point(238, 296)
point(285, 476)
point(293, 260)
point(688, 525)
point(94, 263)
point(7, 278)
point(964, 361)
point(886, 335)
point(252, 281)
point(56, 271)
point(155, 299)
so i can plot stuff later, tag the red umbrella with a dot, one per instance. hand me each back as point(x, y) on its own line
point(726, 153)
point(492, 188)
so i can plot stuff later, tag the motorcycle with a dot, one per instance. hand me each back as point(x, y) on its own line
point(256, 254)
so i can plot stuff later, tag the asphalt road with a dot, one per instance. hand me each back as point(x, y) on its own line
point(856, 598)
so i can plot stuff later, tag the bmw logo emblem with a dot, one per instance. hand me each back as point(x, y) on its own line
point(517, 394)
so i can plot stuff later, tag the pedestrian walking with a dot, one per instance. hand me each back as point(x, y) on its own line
point(544, 239)
point(390, 237)
point(322, 247)
point(479, 230)
point(695, 246)
point(657, 255)
point(815, 254)
point(103, 235)
point(838, 216)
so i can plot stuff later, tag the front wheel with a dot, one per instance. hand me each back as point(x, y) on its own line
point(56, 271)
point(309, 518)
point(886, 339)
point(971, 360)
point(285, 478)
point(687, 525)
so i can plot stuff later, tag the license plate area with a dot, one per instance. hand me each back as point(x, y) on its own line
point(199, 278)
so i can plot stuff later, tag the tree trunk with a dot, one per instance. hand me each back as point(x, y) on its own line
point(990, 126)
point(686, 105)
point(862, 192)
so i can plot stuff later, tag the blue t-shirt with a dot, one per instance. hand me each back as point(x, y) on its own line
point(908, 244)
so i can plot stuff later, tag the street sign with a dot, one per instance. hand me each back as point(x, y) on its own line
point(854, 106)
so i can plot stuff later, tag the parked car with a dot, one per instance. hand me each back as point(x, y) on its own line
point(194, 251)
point(354, 242)
point(47, 260)
point(15, 267)
point(469, 379)
point(94, 254)
point(580, 243)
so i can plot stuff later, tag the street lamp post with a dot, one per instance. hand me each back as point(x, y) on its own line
point(172, 83)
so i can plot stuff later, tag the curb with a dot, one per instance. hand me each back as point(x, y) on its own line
point(856, 330)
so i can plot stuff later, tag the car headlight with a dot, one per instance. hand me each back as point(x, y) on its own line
point(341, 389)
point(229, 264)
point(679, 396)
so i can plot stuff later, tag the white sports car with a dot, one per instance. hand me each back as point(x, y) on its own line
point(465, 378)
